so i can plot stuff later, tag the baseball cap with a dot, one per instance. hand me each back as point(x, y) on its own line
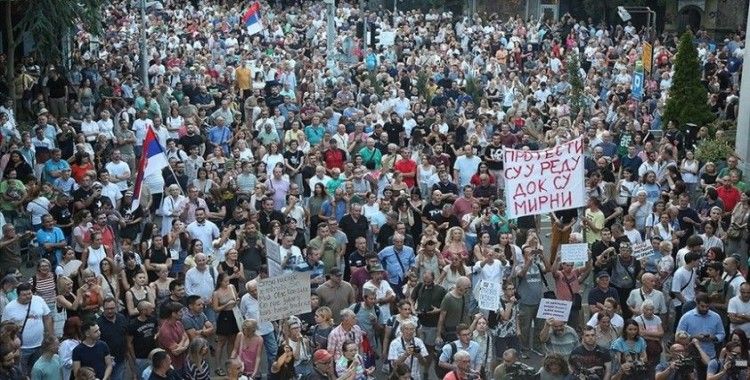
point(602, 274)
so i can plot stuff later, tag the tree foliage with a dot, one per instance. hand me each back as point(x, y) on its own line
point(577, 100)
point(49, 20)
point(688, 99)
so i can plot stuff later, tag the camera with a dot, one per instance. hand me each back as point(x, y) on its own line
point(684, 364)
point(416, 349)
point(519, 371)
point(639, 367)
point(589, 373)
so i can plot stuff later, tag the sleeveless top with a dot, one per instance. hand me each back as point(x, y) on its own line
point(96, 255)
point(137, 300)
point(162, 294)
point(248, 354)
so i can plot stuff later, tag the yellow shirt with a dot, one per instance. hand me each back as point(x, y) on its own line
point(243, 78)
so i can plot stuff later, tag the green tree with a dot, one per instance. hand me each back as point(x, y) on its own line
point(688, 100)
point(48, 21)
point(577, 97)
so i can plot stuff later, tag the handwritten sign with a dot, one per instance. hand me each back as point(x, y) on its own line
point(488, 295)
point(642, 249)
point(543, 181)
point(284, 295)
point(558, 310)
point(574, 253)
point(273, 253)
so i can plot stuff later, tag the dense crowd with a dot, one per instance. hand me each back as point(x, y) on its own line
point(381, 176)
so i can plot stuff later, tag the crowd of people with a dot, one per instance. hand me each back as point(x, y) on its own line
point(379, 173)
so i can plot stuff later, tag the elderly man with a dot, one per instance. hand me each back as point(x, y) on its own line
point(250, 309)
point(647, 291)
point(220, 135)
point(200, 281)
point(558, 338)
point(346, 331)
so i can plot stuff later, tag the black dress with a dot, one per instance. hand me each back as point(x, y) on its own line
point(226, 325)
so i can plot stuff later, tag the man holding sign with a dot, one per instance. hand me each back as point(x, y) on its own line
point(558, 338)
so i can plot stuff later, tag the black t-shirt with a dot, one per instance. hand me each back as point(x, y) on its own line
point(113, 333)
point(189, 141)
point(356, 260)
point(63, 216)
point(494, 153)
point(92, 356)
point(56, 87)
point(583, 358)
point(431, 210)
point(144, 336)
point(171, 375)
point(394, 131)
point(156, 256)
point(294, 158)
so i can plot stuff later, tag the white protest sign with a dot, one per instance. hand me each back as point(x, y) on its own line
point(574, 253)
point(558, 310)
point(543, 181)
point(641, 249)
point(273, 253)
point(488, 295)
point(285, 295)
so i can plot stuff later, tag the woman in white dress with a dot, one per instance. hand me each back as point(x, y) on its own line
point(171, 207)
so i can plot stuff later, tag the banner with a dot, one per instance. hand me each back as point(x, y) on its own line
point(285, 295)
point(542, 181)
point(558, 310)
point(488, 295)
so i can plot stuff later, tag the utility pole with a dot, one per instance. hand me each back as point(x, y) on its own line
point(365, 40)
point(742, 146)
point(330, 31)
point(395, 12)
point(144, 60)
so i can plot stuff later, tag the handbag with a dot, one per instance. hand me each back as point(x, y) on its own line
point(549, 294)
point(237, 313)
point(733, 232)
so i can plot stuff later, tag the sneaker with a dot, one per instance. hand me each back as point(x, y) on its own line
point(524, 355)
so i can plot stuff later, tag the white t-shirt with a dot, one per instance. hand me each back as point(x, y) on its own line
point(116, 170)
point(38, 208)
point(33, 332)
point(615, 321)
point(738, 307)
point(637, 296)
point(467, 167)
point(381, 291)
point(683, 282)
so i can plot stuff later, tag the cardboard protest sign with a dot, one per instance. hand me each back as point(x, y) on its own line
point(574, 253)
point(641, 249)
point(284, 295)
point(273, 253)
point(542, 181)
point(488, 295)
point(558, 310)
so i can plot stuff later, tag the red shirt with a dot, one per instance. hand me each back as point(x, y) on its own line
point(407, 166)
point(170, 333)
point(358, 279)
point(730, 196)
point(335, 158)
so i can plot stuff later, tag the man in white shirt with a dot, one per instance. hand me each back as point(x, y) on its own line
point(291, 255)
point(140, 127)
point(647, 292)
point(200, 281)
point(683, 285)
point(738, 309)
point(466, 166)
point(34, 315)
point(732, 275)
point(408, 350)
point(384, 294)
point(109, 189)
point(119, 171)
point(204, 230)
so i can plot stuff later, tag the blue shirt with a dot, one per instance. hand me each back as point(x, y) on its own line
point(51, 165)
point(330, 210)
point(446, 354)
point(696, 324)
point(393, 264)
point(220, 136)
point(314, 134)
point(54, 236)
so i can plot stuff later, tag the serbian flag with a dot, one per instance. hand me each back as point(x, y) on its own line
point(251, 19)
point(153, 160)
